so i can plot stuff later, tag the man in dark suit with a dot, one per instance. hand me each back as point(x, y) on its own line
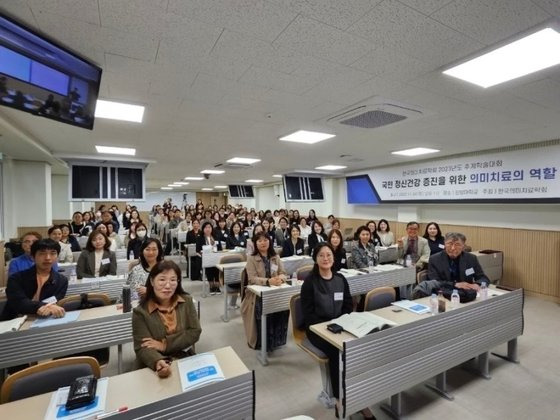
point(460, 270)
point(36, 290)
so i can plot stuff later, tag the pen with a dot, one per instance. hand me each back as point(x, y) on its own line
point(110, 413)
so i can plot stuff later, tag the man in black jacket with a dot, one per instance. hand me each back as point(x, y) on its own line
point(35, 291)
point(454, 267)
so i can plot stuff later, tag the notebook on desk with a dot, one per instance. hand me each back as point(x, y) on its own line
point(360, 324)
point(49, 322)
point(199, 370)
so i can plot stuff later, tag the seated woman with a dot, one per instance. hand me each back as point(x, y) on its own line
point(195, 260)
point(435, 238)
point(116, 241)
point(236, 238)
point(335, 240)
point(325, 295)
point(317, 236)
point(165, 323)
point(304, 229)
point(77, 224)
point(65, 254)
point(373, 238)
point(69, 239)
point(136, 240)
point(212, 273)
point(294, 245)
point(311, 217)
point(89, 224)
point(151, 253)
point(264, 268)
point(96, 260)
point(250, 242)
point(363, 251)
point(384, 232)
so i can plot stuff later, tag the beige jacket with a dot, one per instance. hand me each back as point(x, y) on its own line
point(256, 275)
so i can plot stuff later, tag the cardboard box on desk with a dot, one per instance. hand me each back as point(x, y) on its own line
point(492, 263)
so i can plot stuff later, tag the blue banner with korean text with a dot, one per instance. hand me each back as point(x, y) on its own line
point(528, 175)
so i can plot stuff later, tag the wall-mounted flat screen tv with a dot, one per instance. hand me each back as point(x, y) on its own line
point(44, 79)
point(241, 191)
point(303, 188)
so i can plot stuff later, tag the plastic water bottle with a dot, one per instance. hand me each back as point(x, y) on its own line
point(455, 299)
point(126, 298)
point(371, 264)
point(408, 261)
point(483, 291)
point(434, 304)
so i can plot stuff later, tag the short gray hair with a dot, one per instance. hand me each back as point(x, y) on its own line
point(455, 236)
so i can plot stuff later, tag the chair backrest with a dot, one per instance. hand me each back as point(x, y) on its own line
point(232, 258)
point(296, 314)
point(244, 283)
point(84, 301)
point(76, 255)
point(133, 263)
point(47, 377)
point(379, 298)
point(304, 271)
point(421, 276)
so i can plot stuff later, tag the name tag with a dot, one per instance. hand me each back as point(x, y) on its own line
point(223, 244)
point(343, 261)
point(273, 268)
point(338, 296)
point(105, 261)
point(441, 246)
point(469, 271)
point(299, 251)
point(242, 243)
point(225, 235)
point(52, 299)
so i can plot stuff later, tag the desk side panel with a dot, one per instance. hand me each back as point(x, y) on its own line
point(229, 399)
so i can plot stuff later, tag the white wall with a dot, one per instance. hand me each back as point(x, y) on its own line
point(61, 207)
point(27, 195)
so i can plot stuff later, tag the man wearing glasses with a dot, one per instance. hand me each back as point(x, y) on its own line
point(414, 248)
point(460, 270)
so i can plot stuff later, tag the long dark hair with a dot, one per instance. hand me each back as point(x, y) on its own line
point(340, 246)
point(359, 231)
point(144, 246)
point(262, 235)
point(439, 235)
point(160, 267)
point(316, 252)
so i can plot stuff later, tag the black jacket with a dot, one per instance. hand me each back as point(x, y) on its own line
point(22, 287)
point(232, 242)
point(288, 249)
point(313, 240)
point(201, 241)
point(469, 269)
point(340, 260)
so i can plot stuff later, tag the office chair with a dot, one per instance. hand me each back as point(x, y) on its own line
point(233, 289)
point(300, 338)
point(47, 377)
point(379, 297)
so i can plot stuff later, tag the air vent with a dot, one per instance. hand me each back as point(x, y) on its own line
point(376, 112)
point(373, 119)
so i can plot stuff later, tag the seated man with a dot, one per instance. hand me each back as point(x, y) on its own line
point(414, 246)
point(36, 290)
point(25, 261)
point(454, 268)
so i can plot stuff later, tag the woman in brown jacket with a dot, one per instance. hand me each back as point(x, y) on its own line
point(264, 268)
point(165, 324)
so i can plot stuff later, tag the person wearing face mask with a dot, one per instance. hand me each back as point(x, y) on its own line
point(134, 244)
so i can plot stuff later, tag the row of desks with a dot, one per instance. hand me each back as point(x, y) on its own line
point(148, 396)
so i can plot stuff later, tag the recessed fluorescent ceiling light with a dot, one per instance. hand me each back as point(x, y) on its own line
point(166, 188)
point(529, 54)
point(254, 180)
point(119, 111)
point(220, 186)
point(116, 150)
point(330, 167)
point(415, 151)
point(194, 178)
point(243, 161)
point(172, 185)
point(208, 189)
point(276, 176)
point(308, 137)
point(211, 171)
point(181, 183)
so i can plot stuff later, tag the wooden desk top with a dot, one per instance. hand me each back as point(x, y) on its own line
point(401, 318)
point(143, 387)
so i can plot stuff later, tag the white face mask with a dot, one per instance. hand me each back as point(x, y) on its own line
point(141, 233)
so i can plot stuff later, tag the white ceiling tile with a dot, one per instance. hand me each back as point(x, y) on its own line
point(242, 47)
point(543, 92)
point(388, 63)
point(311, 37)
point(258, 18)
point(338, 13)
point(126, 88)
point(145, 17)
point(276, 80)
point(223, 67)
point(550, 6)
point(21, 10)
point(400, 29)
point(84, 10)
point(490, 21)
point(426, 7)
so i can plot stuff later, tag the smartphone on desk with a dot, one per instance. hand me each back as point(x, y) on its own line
point(335, 328)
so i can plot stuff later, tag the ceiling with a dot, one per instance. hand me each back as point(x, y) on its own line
point(227, 78)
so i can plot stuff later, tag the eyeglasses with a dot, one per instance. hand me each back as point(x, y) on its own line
point(165, 281)
point(454, 244)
